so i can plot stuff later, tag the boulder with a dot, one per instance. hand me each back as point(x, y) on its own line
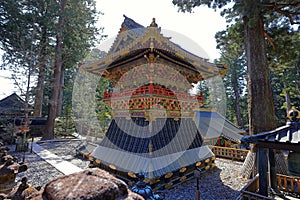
point(89, 184)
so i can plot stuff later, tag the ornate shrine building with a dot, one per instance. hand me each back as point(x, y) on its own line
point(153, 129)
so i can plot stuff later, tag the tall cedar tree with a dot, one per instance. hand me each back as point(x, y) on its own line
point(229, 43)
point(53, 104)
point(75, 34)
point(252, 15)
point(251, 12)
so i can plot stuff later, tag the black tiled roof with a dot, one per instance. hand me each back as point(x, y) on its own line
point(157, 166)
point(213, 125)
point(12, 103)
point(289, 133)
point(130, 24)
point(167, 136)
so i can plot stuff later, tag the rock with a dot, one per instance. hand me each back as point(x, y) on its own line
point(9, 168)
point(88, 184)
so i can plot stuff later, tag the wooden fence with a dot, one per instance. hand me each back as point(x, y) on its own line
point(232, 153)
point(289, 184)
point(249, 192)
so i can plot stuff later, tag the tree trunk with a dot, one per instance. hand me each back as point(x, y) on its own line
point(38, 101)
point(260, 99)
point(237, 101)
point(286, 93)
point(287, 100)
point(57, 75)
point(61, 93)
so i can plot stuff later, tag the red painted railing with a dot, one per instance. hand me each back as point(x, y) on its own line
point(149, 90)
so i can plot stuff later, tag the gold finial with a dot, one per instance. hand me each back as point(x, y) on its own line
point(153, 24)
point(294, 114)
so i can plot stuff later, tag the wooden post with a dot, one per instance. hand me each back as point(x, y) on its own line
point(263, 171)
point(198, 190)
point(32, 139)
point(197, 174)
point(272, 169)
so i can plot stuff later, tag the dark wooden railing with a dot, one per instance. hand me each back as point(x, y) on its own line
point(285, 183)
point(249, 192)
point(232, 153)
point(288, 183)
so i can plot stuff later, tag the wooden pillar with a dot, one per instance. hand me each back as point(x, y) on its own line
point(263, 171)
point(272, 169)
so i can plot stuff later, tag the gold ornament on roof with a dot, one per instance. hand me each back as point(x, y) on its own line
point(153, 23)
point(293, 114)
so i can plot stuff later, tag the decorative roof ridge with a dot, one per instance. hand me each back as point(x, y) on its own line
point(127, 25)
point(138, 34)
point(173, 46)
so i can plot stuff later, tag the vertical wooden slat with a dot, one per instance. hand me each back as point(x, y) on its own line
point(272, 169)
point(263, 171)
point(284, 183)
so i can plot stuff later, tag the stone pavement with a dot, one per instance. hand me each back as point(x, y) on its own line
point(59, 163)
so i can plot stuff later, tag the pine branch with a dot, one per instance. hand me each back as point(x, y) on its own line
point(276, 5)
point(279, 7)
point(269, 39)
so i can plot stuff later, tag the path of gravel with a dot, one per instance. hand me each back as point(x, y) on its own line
point(223, 182)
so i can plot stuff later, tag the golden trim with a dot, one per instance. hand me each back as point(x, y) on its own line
point(182, 170)
point(131, 174)
point(112, 167)
point(91, 158)
point(169, 185)
point(169, 175)
point(183, 178)
point(97, 162)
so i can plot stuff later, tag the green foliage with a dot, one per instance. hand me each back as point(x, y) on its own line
point(282, 44)
point(91, 114)
point(202, 88)
point(84, 104)
point(188, 5)
point(64, 126)
point(79, 31)
point(20, 39)
point(103, 111)
point(230, 43)
point(7, 130)
point(213, 94)
point(284, 60)
point(235, 10)
point(28, 31)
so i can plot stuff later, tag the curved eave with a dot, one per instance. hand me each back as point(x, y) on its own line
point(153, 40)
point(130, 57)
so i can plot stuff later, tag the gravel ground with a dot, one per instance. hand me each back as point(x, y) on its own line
point(39, 172)
point(223, 182)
